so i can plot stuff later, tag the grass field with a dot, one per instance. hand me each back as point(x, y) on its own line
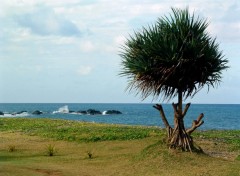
point(88, 149)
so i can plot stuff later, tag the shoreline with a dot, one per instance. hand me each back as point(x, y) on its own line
point(103, 123)
point(132, 114)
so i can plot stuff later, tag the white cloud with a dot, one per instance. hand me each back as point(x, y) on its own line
point(87, 46)
point(120, 40)
point(84, 70)
point(44, 21)
point(227, 32)
point(52, 35)
point(65, 40)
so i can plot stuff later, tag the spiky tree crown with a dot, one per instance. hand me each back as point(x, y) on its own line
point(176, 54)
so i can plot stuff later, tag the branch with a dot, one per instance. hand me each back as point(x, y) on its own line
point(175, 107)
point(196, 123)
point(164, 119)
point(186, 109)
point(177, 111)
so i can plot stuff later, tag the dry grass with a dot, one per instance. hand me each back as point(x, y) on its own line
point(132, 157)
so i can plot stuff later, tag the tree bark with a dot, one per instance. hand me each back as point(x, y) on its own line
point(180, 99)
point(178, 136)
point(164, 119)
point(196, 123)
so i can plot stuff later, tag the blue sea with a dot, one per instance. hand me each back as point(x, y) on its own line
point(216, 116)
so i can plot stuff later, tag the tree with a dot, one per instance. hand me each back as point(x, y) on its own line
point(176, 57)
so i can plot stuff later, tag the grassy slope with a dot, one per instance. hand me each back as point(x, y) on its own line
point(117, 150)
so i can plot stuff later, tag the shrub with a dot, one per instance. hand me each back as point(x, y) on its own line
point(51, 150)
point(11, 148)
point(90, 154)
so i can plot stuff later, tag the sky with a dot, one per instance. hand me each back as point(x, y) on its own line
point(67, 51)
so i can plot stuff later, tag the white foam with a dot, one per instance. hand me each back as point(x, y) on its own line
point(62, 110)
point(104, 113)
point(74, 113)
point(23, 114)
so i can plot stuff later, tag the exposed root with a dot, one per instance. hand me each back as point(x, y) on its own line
point(178, 137)
point(196, 123)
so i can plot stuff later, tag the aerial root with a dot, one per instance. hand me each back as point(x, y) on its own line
point(196, 123)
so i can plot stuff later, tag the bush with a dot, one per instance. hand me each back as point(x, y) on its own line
point(11, 148)
point(51, 150)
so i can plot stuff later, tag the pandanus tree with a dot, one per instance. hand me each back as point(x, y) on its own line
point(175, 57)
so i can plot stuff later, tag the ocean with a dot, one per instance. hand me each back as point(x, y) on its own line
point(216, 116)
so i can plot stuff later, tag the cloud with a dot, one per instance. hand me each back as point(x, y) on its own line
point(44, 21)
point(87, 46)
point(228, 27)
point(84, 70)
point(83, 37)
point(120, 40)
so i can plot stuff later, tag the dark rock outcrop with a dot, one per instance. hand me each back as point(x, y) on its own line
point(37, 112)
point(1, 113)
point(20, 112)
point(82, 112)
point(109, 112)
point(93, 112)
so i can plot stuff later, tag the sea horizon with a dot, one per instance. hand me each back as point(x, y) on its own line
point(216, 116)
point(116, 103)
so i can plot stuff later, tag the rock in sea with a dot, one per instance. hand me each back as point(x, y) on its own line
point(82, 112)
point(93, 112)
point(20, 112)
point(37, 112)
point(109, 112)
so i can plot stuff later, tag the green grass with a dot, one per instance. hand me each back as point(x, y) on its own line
point(114, 149)
point(76, 131)
point(92, 132)
point(231, 137)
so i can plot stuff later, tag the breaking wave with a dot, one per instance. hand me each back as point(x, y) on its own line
point(18, 114)
point(65, 110)
point(62, 110)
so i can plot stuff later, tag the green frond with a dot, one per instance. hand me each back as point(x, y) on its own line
point(175, 54)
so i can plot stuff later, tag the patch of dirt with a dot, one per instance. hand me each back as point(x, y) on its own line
point(49, 172)
point(217, 149)
point(221, 154)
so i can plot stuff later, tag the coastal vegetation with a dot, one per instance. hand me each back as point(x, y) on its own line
point(175, 57)
point(81, 148)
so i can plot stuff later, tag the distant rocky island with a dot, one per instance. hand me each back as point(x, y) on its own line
point(63, 110)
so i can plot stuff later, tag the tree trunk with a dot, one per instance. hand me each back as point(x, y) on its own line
point(178, 136)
